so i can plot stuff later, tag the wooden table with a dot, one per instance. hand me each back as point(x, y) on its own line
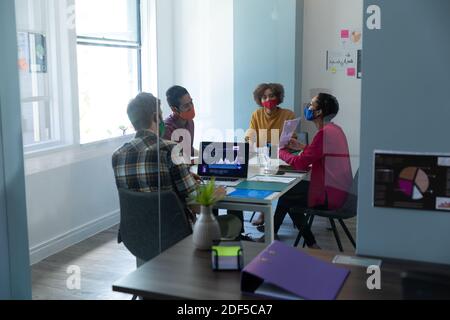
point(184, 273)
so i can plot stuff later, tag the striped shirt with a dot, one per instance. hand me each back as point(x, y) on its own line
point(136, 167)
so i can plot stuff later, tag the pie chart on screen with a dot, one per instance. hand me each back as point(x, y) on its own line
point(413, 182)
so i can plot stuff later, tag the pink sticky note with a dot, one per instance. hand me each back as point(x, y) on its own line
point(351, 72)
point(345, 34)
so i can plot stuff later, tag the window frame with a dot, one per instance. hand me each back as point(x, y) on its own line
point(114, 43)
point(52, 98)
point(64, 87)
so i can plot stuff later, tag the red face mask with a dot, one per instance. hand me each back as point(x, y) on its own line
point(270, 104)
point(190, 115)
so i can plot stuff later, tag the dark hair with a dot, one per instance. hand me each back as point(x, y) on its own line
point(174, 96)
point(328, 104)
point(142, 109)
point(277, 89)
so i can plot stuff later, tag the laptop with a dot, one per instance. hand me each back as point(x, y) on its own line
point(227, 162)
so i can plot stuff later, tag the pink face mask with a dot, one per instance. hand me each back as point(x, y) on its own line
point(270, 104)
point(189, 115)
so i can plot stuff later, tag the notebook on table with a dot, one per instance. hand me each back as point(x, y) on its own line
point(252, 194)
point(263, 186)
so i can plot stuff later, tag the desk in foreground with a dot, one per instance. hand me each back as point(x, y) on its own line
point(184, 273)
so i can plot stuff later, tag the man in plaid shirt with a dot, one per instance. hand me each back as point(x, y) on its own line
point(136, 163)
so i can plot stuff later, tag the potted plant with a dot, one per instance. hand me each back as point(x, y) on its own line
point(207, 229)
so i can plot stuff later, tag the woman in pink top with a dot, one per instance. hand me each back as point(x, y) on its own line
point(327, 157)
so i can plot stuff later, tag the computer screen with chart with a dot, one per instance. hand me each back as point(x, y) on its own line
point(412, 181)
point(224, 159)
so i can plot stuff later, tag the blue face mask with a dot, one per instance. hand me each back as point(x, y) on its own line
point(309, 114)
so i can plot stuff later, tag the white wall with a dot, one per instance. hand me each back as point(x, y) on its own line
point(323, 20)
point(203, 62)
point(265, 39)
point(71, 195)
point(165, 53)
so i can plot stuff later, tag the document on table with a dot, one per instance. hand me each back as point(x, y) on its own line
point(357, 261)
point(285, 180)
point(288, 131)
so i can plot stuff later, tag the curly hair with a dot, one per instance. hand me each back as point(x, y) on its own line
point(277, 89)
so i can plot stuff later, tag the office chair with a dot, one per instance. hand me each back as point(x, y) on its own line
point(140, 223)
point(348, 211)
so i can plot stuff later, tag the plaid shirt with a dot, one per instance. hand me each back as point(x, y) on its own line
point(135, 167)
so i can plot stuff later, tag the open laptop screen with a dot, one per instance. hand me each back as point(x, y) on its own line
point(222, 159)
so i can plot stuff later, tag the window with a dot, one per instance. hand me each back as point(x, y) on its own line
point(36, 53)
point(109, 65)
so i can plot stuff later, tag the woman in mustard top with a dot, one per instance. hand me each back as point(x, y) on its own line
point(268, 121)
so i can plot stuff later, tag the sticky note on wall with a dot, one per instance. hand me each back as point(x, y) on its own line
point(345, 34)
point(351, 72)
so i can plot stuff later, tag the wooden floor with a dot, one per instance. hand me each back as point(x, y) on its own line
point(102, 262)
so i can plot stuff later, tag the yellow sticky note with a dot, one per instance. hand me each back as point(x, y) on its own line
point(227, 251)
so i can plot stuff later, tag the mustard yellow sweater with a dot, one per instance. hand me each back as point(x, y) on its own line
point(275, 121)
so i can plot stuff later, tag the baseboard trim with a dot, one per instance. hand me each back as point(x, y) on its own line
point(64, 241)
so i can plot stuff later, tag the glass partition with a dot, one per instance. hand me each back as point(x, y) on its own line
point(92, 169)
point(111, 156)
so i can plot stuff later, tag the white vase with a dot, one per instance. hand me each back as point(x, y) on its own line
point(206, 230)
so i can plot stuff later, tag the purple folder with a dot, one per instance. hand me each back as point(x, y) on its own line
point(295, 272)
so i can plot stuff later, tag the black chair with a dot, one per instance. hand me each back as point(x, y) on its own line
point(145, 232)
point(348, 211)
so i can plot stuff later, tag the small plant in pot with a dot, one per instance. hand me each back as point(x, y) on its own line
point(207, 229)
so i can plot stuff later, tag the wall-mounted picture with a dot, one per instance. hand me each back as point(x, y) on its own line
point(32, 52)
point(38, 53)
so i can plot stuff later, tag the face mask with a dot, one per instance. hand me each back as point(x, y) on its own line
point(162, 129)
point(188, 116)
point(270, 104)
point(309, 114)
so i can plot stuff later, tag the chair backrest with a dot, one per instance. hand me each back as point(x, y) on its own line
point(140, 222)
point(351, 204)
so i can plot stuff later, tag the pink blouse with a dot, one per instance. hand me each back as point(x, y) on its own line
point(328, 159)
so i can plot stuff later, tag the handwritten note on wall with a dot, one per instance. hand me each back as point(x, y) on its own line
point(346, 60)
point(338, 60)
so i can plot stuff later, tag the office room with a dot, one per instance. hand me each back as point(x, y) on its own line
point(166, 149)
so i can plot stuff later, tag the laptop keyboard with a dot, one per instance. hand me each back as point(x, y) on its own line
point(222, 179)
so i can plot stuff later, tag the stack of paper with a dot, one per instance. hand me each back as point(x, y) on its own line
point(286, 180)
point(289, 129)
